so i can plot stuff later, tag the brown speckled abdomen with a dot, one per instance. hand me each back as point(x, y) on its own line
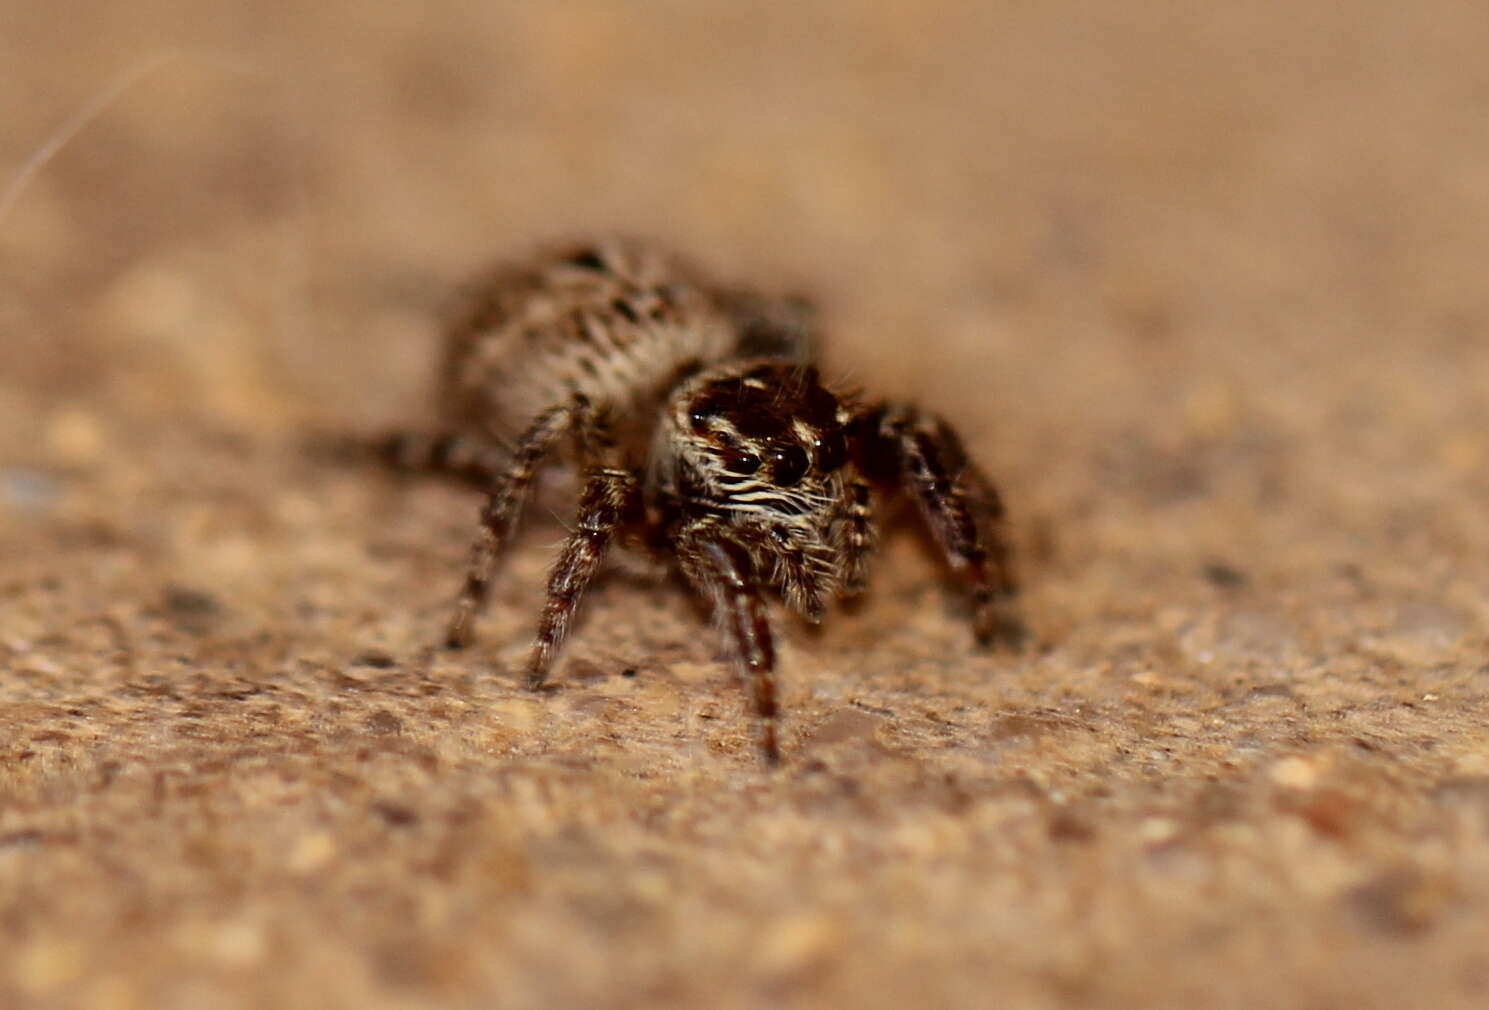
point(612, 321)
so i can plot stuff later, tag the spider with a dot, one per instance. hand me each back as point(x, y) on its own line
point(702, 432)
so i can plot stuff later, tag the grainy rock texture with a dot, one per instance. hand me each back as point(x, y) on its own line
point(1206, 285)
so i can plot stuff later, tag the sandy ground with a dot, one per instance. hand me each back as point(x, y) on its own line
point(1205, 285)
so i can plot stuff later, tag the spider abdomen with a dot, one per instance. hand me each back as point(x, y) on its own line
point(612, 323)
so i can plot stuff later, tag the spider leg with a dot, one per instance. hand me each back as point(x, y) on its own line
point(857, 520)
point(611, 497)
point(959, 505)
point(724, 572)
point(466, 457)
point(772, 327)
point(508, 493)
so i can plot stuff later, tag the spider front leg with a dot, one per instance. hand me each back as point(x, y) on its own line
point(724, 572)
point(611, 497)
point(857, 519)
point(958, 503)
point(508, 494)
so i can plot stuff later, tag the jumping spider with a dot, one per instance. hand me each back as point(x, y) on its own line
point(701, 430)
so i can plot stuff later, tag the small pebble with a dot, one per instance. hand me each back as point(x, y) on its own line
point(1294, 773)
point(27, 490)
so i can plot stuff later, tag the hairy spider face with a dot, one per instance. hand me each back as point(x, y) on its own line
point(762, 438)
point(758, 447)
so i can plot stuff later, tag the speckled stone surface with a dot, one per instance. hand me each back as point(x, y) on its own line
point(1205, 287)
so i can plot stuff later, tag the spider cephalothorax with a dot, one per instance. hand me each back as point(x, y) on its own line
point(699, 426)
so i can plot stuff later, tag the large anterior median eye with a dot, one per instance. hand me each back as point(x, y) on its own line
point(741, 462)
point(788, 465)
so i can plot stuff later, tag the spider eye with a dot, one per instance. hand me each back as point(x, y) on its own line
point(832, 452)
point(788, 465)
point(742, 463)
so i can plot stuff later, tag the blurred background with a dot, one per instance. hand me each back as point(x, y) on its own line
point(1204, 284)
point(1076, 227)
